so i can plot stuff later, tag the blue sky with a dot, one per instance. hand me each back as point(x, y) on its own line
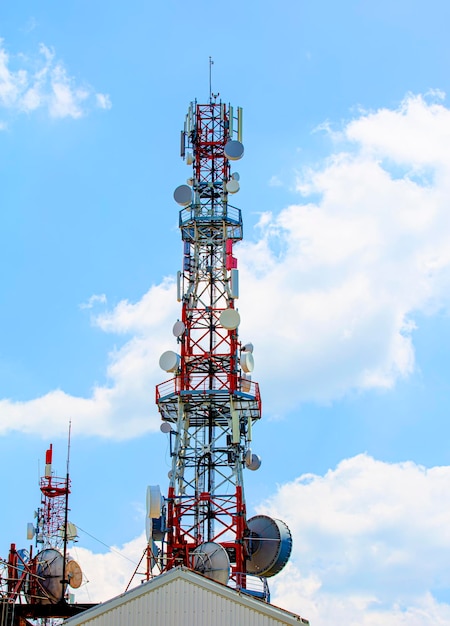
point(345, 275)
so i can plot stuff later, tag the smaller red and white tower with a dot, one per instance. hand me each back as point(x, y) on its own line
point(52, 514)
point(35, 582)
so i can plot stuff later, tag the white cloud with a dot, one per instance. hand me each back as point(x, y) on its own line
point(133, 371)
point(103, 101)
point(107, 575)
point(275, 181)
point(371, 546)
point(339, 280)
point(329, 288)
point(43, 82)
point(93, 300)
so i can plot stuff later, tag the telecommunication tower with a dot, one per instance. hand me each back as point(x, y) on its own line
point(210, 404)
point(36, 586)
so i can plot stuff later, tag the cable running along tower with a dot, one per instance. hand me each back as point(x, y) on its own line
point(210, 404)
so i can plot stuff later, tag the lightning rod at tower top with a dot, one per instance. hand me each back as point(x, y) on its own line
point(210, 404)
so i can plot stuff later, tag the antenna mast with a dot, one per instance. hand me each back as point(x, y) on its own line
point(211, 63)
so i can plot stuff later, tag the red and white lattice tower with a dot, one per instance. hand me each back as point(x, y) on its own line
point(209, 405)
point(51, 515)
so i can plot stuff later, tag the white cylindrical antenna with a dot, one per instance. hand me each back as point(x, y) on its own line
point(30, 531)
point(231, 122)
point(239, 131)
point(249, 429)
point(234, 283)
point(48, 462)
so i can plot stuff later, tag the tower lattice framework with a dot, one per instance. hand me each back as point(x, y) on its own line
point(210, 403)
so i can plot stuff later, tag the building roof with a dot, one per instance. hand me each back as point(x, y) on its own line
point(184, 597)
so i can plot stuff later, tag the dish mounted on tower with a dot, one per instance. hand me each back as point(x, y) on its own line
point(209, 404)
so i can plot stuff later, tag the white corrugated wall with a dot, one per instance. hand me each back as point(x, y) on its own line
point(181, 603)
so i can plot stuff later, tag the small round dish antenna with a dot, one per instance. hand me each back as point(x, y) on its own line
point(211, 560)
point(165, 427)
point(169, 361)
point(252, 461)
point(235, 176)
point(178, 328)
point(183, 195)
point(247, 362)
point(232, 186)
point(74, 574)
point(234, 150)
point(230, 319)
point(71, 533)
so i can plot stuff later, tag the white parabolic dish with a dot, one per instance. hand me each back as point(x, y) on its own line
point(232, 186)
point(178, 328)
point(247, 362)
point(234, 150)
point(169, 361)
point(153, 501)
point(183, 195)
point(230, 319)
point(211, 560)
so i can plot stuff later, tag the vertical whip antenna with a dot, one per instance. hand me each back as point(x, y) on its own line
point(66, 515)
point(211, 63)
point(212, 96)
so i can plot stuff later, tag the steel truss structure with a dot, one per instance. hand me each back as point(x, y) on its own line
point(210, 403)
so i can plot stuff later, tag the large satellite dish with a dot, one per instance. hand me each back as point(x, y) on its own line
point(269, 545)
point(49, 570)
point(211, 560)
